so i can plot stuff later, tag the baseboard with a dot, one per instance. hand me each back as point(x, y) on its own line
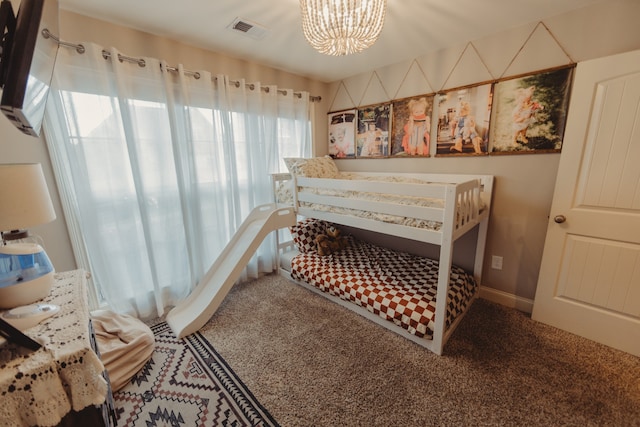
point(506, 299)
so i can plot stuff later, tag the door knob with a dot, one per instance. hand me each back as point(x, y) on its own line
point(559, 219)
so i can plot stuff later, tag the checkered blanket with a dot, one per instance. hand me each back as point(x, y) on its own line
point(397, 286)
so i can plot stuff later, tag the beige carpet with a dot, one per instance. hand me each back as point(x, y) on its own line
point(311, 362)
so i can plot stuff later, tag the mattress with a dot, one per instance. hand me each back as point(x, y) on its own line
point(286, 258)
point(396, 286)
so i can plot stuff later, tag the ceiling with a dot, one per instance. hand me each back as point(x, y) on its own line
point(412, 28)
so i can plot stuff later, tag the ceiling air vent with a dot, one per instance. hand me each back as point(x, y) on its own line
point(248, 28)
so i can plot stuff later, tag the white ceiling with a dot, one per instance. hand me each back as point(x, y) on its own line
point(412, 28)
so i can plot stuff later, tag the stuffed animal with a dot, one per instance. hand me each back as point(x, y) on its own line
point(330, 242)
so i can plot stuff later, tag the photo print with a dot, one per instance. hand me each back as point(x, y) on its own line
point(373, 131)
point(464, 116)
point(530, 113)
point(411, 130)
point(342, 133)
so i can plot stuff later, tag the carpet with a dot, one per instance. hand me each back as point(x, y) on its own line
point(187, 383)
point(314, 363)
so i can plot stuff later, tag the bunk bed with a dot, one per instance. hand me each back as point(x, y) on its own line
point(432, 208)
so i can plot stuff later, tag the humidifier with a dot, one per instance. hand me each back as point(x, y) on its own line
point(26, 274)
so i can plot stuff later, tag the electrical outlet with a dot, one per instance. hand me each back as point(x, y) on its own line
point(496, 262)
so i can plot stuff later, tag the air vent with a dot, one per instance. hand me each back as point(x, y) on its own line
point(248, 28)
point(242, 26)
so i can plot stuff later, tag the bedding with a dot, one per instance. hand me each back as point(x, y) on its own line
point(315, 167)
point(285, 195)
point(389, 288)
point(324, 167)
point(397, 286)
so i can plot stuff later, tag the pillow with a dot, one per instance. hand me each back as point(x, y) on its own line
point(315, 167)
point(304, 234)
point(284, 192)
point(126, 344)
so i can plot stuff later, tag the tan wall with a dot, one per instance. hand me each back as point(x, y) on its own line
point(524, 185)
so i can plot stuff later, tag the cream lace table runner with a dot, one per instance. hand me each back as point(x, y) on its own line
point(41, 387)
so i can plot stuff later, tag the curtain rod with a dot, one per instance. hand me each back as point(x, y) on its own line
point(141, 62)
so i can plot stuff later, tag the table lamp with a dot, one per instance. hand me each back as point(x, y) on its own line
point(26, 273)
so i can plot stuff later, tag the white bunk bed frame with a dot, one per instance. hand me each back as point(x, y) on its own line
point(466, 200)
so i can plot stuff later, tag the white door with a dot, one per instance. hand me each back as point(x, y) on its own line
point(589, 281)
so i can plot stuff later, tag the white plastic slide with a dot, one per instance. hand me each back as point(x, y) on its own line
point(192, 313)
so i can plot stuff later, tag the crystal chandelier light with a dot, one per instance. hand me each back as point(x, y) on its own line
point(342, 27)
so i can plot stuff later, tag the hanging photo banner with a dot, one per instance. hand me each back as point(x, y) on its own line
point(342, 133)
point(411, 127)
point(372, 139)
point(530, 113)
point(463, 121)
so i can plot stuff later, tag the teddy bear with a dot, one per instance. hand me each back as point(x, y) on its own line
point(330, 242)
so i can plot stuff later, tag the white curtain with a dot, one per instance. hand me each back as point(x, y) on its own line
point(158, 168)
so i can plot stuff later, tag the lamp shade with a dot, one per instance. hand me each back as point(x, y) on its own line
point(24, 197)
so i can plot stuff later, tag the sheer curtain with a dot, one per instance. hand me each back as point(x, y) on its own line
point(157, 168)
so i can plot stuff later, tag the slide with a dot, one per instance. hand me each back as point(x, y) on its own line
point(192, 313)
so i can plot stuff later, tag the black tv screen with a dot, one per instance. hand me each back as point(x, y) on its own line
point(28, 69)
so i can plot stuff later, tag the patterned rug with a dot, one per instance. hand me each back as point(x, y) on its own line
point(187, 383)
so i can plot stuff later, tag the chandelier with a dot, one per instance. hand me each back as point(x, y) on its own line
point(342, 27)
